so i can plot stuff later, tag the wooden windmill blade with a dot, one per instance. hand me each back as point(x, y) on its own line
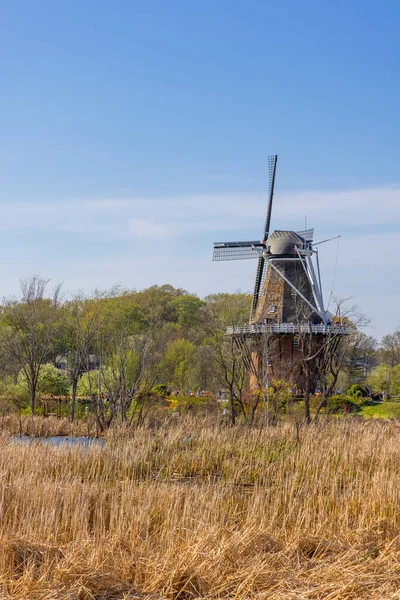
point(262, 265)
point(236, 250)
point(272, 160)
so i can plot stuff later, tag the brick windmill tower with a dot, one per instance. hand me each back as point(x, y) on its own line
point(287, 305)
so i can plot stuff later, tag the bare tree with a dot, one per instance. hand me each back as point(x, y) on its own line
point(227, 357)
point(230, 370)
point(360, 360)
point(391, 348)
point(256, 352)
point(336, 348)
point(84, 319)
point(29, 330)
point(128, 354)
point(126, 369)
point(309, 347)
point(323, 355)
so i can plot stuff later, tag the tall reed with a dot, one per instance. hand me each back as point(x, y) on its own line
point(192, 511)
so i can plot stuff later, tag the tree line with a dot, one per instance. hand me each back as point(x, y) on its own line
point(160, 336)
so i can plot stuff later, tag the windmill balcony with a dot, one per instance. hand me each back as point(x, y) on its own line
point(288, 328)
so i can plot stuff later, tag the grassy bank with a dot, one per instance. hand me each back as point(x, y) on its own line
point(190, 512)
point(381, 410)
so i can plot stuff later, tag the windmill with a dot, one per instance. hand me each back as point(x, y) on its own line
point(287, 298)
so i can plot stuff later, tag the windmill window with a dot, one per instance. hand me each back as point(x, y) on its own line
point(272, 308)
point(296, 340)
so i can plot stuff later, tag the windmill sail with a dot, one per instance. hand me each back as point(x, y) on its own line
point(272, 160)
point(236, 250)
point(262, 265)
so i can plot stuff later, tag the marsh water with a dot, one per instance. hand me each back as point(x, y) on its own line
point(60, 440)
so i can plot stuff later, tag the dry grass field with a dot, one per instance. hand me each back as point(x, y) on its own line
point(196, 511)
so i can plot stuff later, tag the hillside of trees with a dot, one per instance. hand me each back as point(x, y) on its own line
point(124, 350)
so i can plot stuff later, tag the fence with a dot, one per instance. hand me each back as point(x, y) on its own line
point(289, 328)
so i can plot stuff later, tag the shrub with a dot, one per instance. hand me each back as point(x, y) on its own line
point(361, 400)
point(336, 404)
point(356, 391)
point(161, 389)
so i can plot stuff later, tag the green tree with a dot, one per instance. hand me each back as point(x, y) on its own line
point(395, 381)
point(155, 302)
point(188, 310)
point(52, 381)
point(179, 365)
point(10, 389)
point(88, 384)
point(379, 380)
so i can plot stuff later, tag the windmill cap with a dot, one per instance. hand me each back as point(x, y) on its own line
point(284, 242)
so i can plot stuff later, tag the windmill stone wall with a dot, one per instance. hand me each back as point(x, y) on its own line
point(281, 359)
point(279, 304)
point(280, 354)
point(273, 295)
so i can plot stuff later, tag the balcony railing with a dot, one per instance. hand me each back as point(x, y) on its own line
point(289, 328)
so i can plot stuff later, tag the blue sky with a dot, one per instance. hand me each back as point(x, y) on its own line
point(134, 134)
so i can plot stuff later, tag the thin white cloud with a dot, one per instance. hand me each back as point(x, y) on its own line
point(94, 242)
point(106, 204)
point(352, 209)
point(145, 229)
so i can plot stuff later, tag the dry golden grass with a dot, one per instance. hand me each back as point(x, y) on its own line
point(47, 427)
point(205, 512)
